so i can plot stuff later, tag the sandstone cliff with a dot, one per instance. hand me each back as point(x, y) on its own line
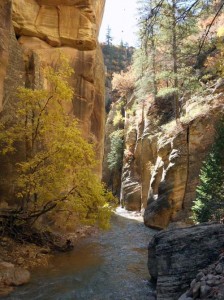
point(162, 160)
point(33, 33)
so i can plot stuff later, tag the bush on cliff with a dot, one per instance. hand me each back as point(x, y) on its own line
point(55, 175)
point(115, 157)
point(209, 203)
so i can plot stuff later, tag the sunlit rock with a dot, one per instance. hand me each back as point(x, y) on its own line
point(163, 159)
point(66, 23)
point(176, 172)
point(33, 34)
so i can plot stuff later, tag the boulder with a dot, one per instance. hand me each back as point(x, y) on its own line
point(176, 257)
point(11, 276)
point(209, 283)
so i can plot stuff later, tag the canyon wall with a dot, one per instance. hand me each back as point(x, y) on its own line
point(162, 159)
point(33, 34)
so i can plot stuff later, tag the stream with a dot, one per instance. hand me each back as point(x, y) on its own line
point(111, 266)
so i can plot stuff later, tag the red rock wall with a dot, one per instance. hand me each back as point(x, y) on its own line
point(33, 33)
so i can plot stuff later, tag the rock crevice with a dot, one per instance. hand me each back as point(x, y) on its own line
point(162, 177)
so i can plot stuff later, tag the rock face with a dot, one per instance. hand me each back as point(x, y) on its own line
point(208, 283)
point(33, 33)
point(64, 21)
point(5, 26)
point(176, 256)
point(162, 171)
point(111, 178)
point(175, 175)
point(131, 172)
point(60, 23)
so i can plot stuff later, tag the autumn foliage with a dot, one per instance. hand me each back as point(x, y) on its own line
point(124, 82)
point(55, 179)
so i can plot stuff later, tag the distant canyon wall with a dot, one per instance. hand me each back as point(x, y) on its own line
point(162, 160)
point(167, 159)
point(33, 33)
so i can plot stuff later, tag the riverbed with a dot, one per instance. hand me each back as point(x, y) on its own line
point(110, 266)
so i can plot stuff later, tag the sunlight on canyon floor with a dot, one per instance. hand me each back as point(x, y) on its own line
point(133, 215)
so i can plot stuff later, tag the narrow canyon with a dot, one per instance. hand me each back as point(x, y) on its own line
point(111, 156)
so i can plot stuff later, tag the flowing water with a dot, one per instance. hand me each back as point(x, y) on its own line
point(112, 266)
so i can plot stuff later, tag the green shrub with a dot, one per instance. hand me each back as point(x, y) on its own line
point(118, 119)
point(209, 203)
point(115, 156)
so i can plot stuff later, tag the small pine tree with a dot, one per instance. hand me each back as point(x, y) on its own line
point(115, 157)
point(108, 36)
point(209, 203)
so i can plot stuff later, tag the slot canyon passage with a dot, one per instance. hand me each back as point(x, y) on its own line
point(111, 153)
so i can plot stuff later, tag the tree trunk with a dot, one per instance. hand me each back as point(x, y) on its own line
point(174, 57)
point(155, 90)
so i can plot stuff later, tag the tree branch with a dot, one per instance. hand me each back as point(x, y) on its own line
point(208, 28)
point(38, 119)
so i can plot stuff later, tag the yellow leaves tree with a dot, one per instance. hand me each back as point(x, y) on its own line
point(124, 82)
point(56, 175)
point(215, 63)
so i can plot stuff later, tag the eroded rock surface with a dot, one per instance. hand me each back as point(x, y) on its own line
point(60, 23)
point(163, 159)
point(5, 25)
point(33, 34)
point(176, 172)
point(131, 172)
point(176, 256)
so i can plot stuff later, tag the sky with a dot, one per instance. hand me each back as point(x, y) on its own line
point(120, 15)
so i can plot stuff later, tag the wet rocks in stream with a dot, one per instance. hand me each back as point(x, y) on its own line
point(11, 276)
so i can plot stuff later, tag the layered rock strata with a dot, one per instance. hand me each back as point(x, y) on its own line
point(208, 283)
point(176, 256)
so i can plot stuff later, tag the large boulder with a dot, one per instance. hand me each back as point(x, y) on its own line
point(177, 255)
point(208, 283)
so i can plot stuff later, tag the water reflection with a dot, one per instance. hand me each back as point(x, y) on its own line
point(109, 267)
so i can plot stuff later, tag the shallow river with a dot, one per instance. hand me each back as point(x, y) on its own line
point(112, 266)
